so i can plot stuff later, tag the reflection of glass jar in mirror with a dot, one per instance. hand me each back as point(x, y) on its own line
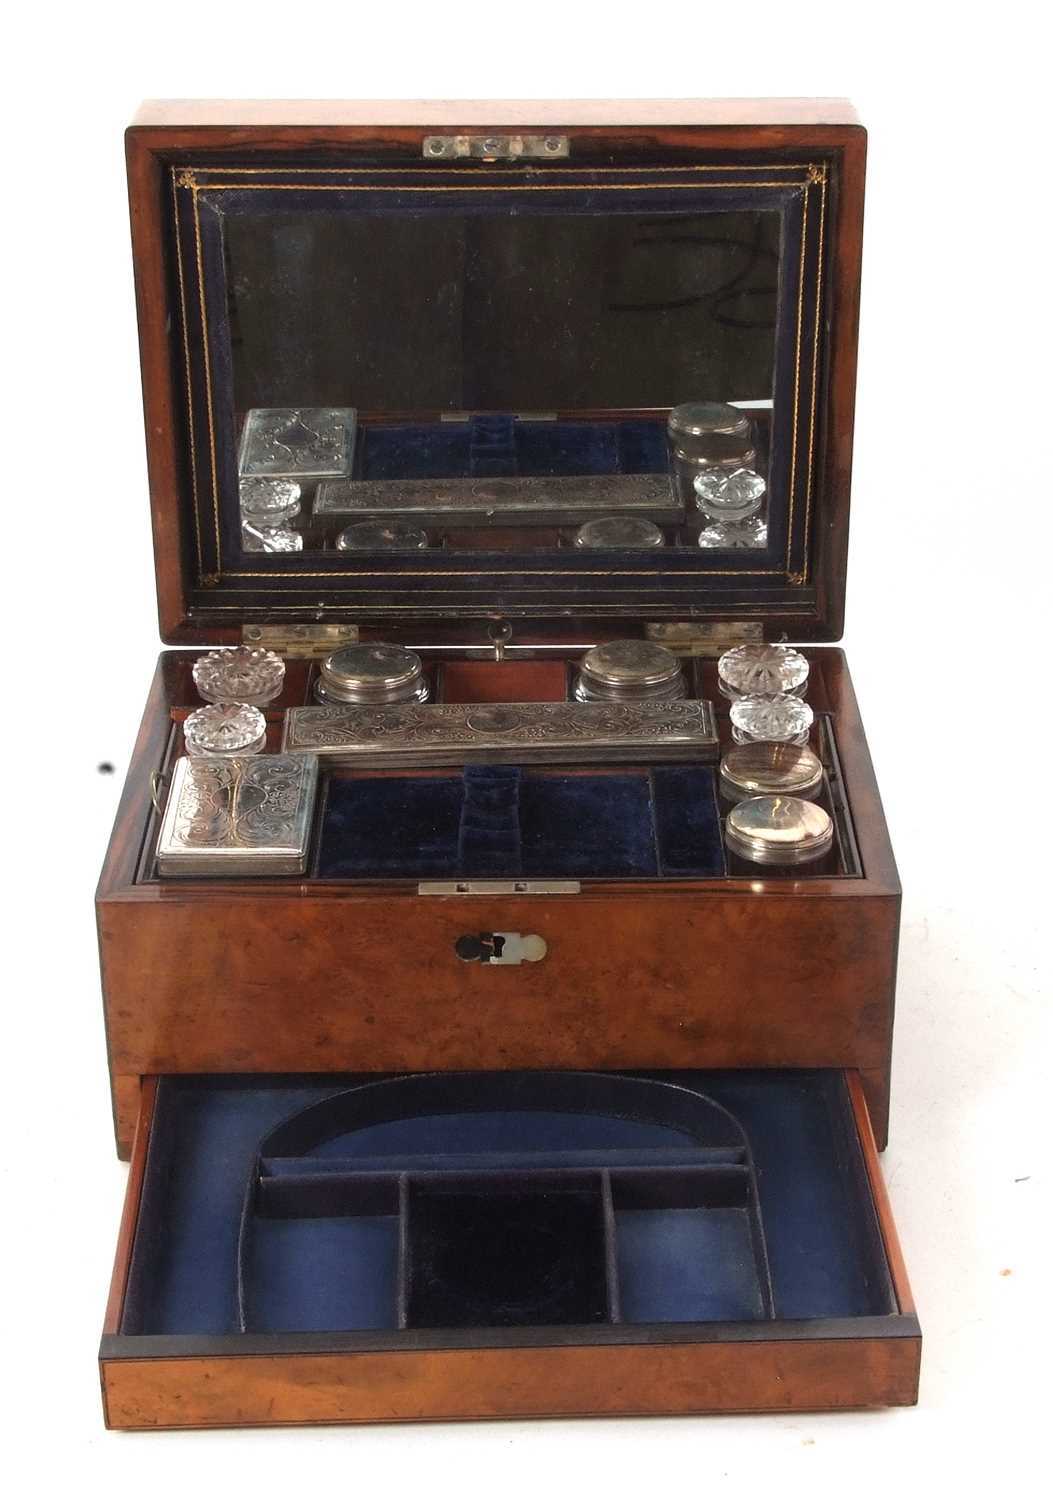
point(731, 500)
point(704, 435)
point(267, 507)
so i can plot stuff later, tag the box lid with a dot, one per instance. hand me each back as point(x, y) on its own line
point(399, 359)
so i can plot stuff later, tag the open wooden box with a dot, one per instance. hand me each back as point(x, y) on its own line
point(373, 1178)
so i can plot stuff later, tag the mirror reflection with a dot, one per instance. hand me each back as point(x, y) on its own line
point(498, 382)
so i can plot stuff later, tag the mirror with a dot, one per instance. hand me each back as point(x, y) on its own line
point(493, 380)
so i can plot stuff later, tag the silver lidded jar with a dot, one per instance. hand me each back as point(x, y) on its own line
point(618, 531)
point(762, 670)
point(630, 671)
point(706, 435)
point(225, 729)
point(786, 720)
point(778, 831)
point(372, 672)
point(767, 768)
point(242, 674)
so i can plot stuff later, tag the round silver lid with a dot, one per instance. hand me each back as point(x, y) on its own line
point(785, 719)
point(619, 531)
point(382, 536)
point(373, 672)
point(765, 671)
point(765, 768)
point(225, 729)
point(629, 670)
point(778, 830)
point(243, 674)
point(710, 432)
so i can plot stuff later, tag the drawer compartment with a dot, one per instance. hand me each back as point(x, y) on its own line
point(309, 1249)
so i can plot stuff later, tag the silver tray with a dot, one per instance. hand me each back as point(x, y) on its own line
point(532, 501)
point(453, 734)
point(238, 816)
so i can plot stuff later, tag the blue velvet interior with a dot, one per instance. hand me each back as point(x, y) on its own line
point(501, 447)
point(338, 1273)
point(500, 821)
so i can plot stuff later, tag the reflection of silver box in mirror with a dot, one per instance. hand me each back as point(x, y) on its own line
point(238, 816)
point(298, 442)
point(521, 502)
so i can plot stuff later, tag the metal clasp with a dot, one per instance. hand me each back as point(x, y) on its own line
point(496, 147)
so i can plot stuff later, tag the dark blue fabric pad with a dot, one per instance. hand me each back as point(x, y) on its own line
point(501, 822)
point(499, 446)
point(678, 1258)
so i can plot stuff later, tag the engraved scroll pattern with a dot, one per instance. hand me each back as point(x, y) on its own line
point(239, 804)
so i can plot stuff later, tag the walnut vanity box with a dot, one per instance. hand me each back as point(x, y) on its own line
point(525, 1096)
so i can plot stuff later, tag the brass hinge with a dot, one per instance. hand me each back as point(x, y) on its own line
point(704, 637)
point(307, 641)
point(496, 147)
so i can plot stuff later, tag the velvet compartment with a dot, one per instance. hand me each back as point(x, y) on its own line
point(505, 447)
point(502, 1200)
point(502, 822)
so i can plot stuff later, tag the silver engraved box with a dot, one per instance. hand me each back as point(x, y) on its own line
point(298, 442)
point(453, 734)
point(238, 817)
point(528, 501)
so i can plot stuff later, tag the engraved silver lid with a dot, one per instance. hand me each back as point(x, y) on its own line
point(778, 830)
point(242, 674)
point(710, 432)
point(629, 671)
point(765, 768)
point(619, 531)
point(225, 729)
point(762, 670)
point(382, 536)
point(373, 672)
point(785, 719)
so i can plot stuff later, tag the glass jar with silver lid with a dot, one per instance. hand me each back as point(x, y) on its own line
point(225, 729)
point(762, 670)
point(619, 531)
point(382, 536)
point(629, 671)
point(765, 768)
point(242, 674)
point(786, 720)
point(372, 672)
point(779, 831)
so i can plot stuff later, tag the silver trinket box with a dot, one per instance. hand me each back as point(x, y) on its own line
point(757, 669)
point(629, 671)
point(235, 817)
point(454, 734)
point(225, 729)
point(779, 830)
point(242, 674)
point(299, 442)
point(768, 769)
point(372, 673)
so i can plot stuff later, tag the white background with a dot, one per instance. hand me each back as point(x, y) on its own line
point(946, 604)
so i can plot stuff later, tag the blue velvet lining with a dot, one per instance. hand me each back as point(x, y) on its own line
point(675, 1263)
point(500, 446)
point(501, 822)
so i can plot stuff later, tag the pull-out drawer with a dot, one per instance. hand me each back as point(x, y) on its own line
point(309, 1249)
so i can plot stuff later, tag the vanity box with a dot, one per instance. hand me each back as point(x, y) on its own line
point(524, 1096)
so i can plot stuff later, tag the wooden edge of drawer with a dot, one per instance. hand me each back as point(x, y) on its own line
point(150, 1383)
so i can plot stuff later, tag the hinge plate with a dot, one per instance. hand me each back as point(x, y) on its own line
point(704, 637)
point(551, 147)
point(306, 641)
point(499, 888)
